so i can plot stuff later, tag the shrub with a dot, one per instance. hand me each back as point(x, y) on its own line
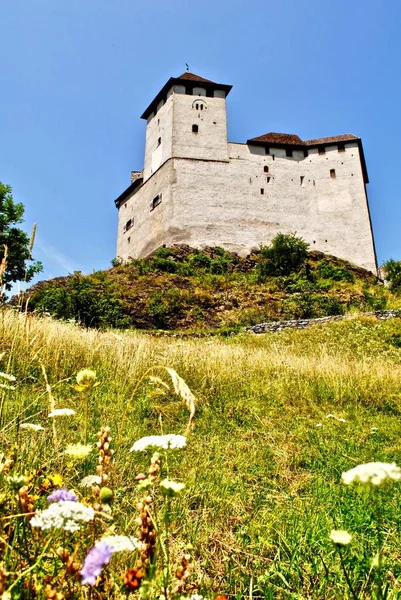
point(286, 254)
point(392, 270)
point(329, 271)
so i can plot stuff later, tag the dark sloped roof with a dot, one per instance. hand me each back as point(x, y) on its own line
point(186, 78)
point(278, 138)
point(345, 137)
point(192, 77)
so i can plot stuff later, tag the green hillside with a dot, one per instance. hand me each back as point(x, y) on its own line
point(181, 288)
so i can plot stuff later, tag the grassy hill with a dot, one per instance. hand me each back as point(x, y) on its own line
point(278, 418)
point(181, 288)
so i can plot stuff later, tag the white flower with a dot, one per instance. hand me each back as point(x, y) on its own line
point(63, 515)
point(330, 416)
point(7, 376)
point(169, 441)
point(374, 473)
point(32, 426)
point(341, 420)
point(340, 537)
point(319, 424)
point(171, 488)
point(121, 543)
point(78, 450)
point(91, 480)
point(61, 412)
point(7, 387)
point(374, 430)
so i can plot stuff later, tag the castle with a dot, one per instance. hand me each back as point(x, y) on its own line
point(197, 188)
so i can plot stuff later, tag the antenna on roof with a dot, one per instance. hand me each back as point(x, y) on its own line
point(187, 65)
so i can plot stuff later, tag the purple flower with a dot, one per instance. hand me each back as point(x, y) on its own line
point(97, 557)
point(62, 495)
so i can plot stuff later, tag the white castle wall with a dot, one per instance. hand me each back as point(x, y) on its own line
point(211, 190)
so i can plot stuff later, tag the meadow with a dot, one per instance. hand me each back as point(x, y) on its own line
point(278, 418)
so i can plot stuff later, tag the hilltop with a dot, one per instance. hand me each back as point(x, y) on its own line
point(181, 288)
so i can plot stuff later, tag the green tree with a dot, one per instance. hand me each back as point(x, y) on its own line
point(392, 271)
point(286, 254)
point(16, 241)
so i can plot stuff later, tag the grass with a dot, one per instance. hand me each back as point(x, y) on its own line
point(263, 477)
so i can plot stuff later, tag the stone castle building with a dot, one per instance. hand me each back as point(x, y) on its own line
point(197, 188)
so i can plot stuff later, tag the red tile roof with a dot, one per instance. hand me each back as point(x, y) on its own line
point(278, 138)
point(192, 77)
point(294, 140)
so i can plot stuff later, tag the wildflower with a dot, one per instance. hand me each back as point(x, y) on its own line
point(61, 412)
point(340, 537)
point(16, 482)
point(63, 515)
point(7, 376)
point(169, 441)
point(78, 450)
point(4, 386)
point(32, 427)
point(56, 480)
point(374, 430)
point(341, 420)
point(97, 557)
point(171, 488)
point(121, 543)
point(62, 495)
point(374, 473)
point(91, 480)
point(86, 379)
point(330, 416)
point(319, 424)
point(133, 578)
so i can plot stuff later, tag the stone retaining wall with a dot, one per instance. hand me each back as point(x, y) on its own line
point(382, 315)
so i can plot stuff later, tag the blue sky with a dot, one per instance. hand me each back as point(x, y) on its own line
point(77, 74)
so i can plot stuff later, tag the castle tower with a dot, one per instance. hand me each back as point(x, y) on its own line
point(197, 188)
point(187, 119)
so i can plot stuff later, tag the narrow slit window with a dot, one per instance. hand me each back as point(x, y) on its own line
point(197, 106)
point(195, 128)
point(333, 173)
point(268, 179)
point(266, 169)
point(262, 191)
point(302, 177)
point(159, 141)
point(201, 106)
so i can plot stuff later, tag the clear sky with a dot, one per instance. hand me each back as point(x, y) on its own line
point(77, 74)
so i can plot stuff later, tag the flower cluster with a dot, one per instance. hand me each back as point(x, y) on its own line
point(340, 537)
point(63, 515)
point(78, 450)
point(170, 441)
point(373, 473)
point(62, 495)
point(61, 412)
point(101, 553)
point(32, 427)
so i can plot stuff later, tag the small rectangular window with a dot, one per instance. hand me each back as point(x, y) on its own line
point(262, 191)
point(332, 173)
point(268, 179)
point(159, 141)
point(266, 169)
point(306, 153)
point(156, 201)
point(302, 177)
point(341, 147)
point(201, 106)
point(322, 150)
point(267, 150)
point(288, 152)
point(129, 224)
point(195, 128)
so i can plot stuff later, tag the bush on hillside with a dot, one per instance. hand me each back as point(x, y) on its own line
point(286, 254)
point(392, 270)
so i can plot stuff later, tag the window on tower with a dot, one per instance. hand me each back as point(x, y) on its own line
point(159, 141)
point(195, 128)
point(129, 224)
point(156, 201)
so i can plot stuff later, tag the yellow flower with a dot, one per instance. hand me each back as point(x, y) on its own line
point(56, 480)
point(86, 379)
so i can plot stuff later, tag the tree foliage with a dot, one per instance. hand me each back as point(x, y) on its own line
point(392, 270)
point(286, 254)
point(17, 241)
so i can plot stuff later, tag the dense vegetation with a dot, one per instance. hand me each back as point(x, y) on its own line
point(182, 288)
point(278, 418)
